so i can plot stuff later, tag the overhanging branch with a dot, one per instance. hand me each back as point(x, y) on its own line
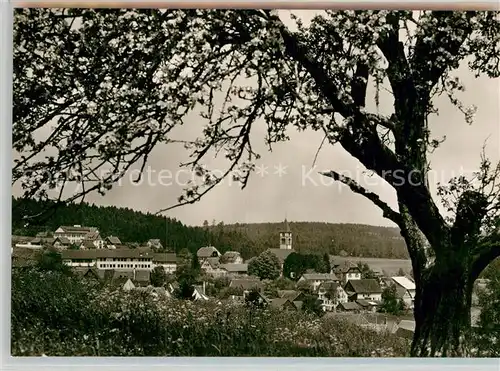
point(388, 212)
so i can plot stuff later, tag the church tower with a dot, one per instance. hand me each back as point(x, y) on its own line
point(286, 238)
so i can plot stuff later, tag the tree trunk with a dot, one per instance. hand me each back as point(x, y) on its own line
point(442, 311)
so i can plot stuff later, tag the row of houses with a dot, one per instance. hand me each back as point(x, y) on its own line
point(82, 237)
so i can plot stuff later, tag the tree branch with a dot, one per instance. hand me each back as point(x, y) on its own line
point(388, 212)
point(487, 251)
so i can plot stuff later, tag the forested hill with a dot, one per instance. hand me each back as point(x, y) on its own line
point(249, 239)
point(316, 237)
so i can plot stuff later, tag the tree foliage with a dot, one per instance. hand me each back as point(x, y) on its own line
point(265, 266)
point(390, 301)
point(151, 68)
point(158, 277)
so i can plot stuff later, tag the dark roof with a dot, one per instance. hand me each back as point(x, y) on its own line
point(77, 229)
point(88, 244)
point(94, 235)
point(320, 277)
point(113, 240)
point(280, 302)
point(329, 285)
point(62, 240)
point(367, 303)
point(207, 252)
point(245, 284)
point(105, 253)
point(165, 257)
point(282, 254)
point(288, 294)
point(142, 275)
point(349, 306)
point(233, 267)
point(364, 286)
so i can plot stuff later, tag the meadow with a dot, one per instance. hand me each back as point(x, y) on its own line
point(56, 314)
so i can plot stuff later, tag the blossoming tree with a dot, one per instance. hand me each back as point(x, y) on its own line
point(112, 84)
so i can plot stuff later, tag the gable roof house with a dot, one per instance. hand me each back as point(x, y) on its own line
point(212, 267)
point(232, 257)
point(283, 304)
point(128, 286)
point(315, 279)
point(207, 252)
point(112, 242)
point(76, 233)
point(167, 260)
point(363, 289)
point(61, 242)
point(121, 259)
point(154, 243)
point(246, 284)
point(329, 303)
point(405, 289)
point(235, 268)
point(292, 295)
point(347, 271)
point(199, 293)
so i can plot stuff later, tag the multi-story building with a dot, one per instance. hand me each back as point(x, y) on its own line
point(78, 235)
point(118, 259)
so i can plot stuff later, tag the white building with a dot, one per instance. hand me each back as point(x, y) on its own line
point(329, 303)
point(406, 289)
point(316, 279)
point(166, 260)
point(367, 289)
point(77, 235)
point(118, 259)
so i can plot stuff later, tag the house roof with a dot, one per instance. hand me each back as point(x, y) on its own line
point(62, 240)
point(214, 262)
point(154, 241)
point(94, 235)
point(206, 252)
point(367, 303)
point(280, 302)
point(129, 285)
point(88, 244)
point(320, 277)
point(232, 254)
point(113, 240)
point(407, 324)
point(281, 254)
point(404, 282)
point(77, 229)
point(298, 304)
point(234, 267)
point(400, 291)
point(245, 284)
point(349, 306)
point(165, 257)
point(105, 253)
point(364, 286)
point(288, 294)
point(329, 285)
point(142, 275)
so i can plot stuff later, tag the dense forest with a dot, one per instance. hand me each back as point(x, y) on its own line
point(248, 239)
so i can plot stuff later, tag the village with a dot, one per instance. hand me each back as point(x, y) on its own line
point(341, 292)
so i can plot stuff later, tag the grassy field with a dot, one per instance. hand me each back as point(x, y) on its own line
point(391, 266)
point(59, 315)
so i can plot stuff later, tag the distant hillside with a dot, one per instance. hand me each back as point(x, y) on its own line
point(316, 237)
point(248, 239)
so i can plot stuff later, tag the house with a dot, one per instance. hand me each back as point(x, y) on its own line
point(331, 303)
point(128, 286)
point(76, 234)
point(347, 271)
point(298, 304)
point(291, 295)
point(142, 277)
point(406, 289)
point(315, 279)
point(259, 300)
point(207, 252)
point(199, 293)
point(283, 304)
point(350, 306)
point(35, 244)
point(154, 243)
point(171, 287)
point(86, 272)
point(212, 267)
point(121, 259)
point(246, 284)
point(405, 329)
point(235, 268)
point(231, 257)
point(363, 289)
point(112, 242)
point(87, 244)
point(368, 305)
point(167, 260)
point(61, 243)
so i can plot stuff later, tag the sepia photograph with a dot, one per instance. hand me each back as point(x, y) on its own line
point(255, 183)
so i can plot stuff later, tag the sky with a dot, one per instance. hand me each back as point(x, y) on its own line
point(287, 186)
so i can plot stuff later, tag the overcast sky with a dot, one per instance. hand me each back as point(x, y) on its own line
point(300, 193)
